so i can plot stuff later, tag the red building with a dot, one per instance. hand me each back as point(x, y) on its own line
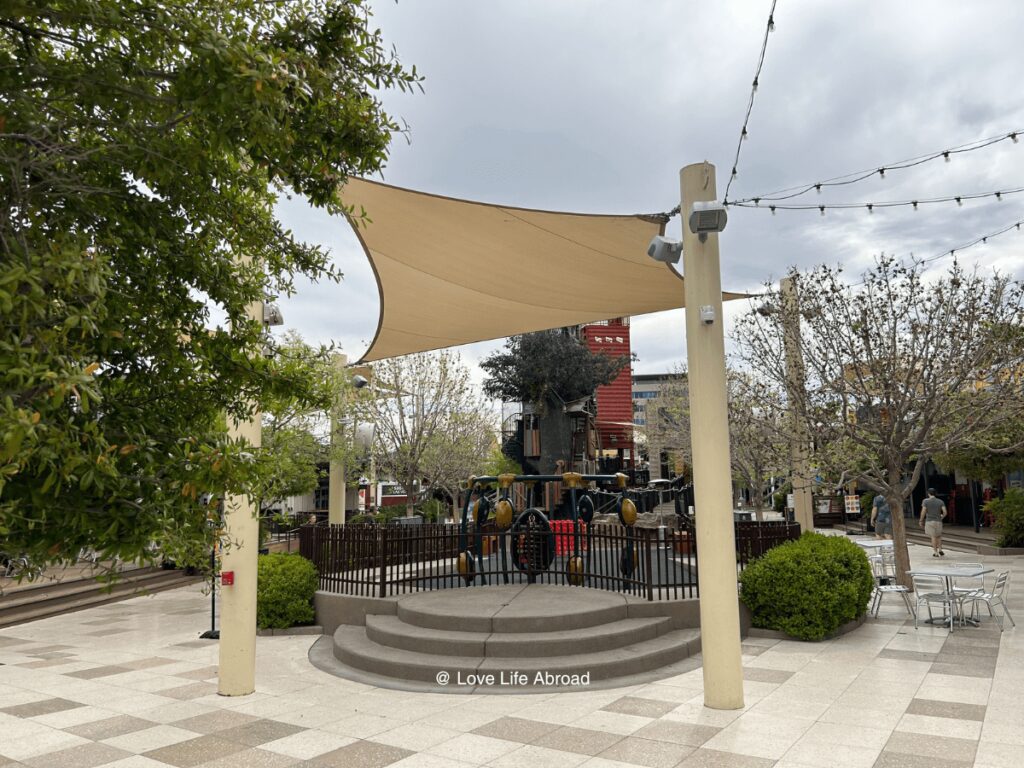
point(614, 400)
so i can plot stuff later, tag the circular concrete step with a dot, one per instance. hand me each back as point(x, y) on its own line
point(506, 639)
point(354, 648)
point(518, 608)
point(393, 632)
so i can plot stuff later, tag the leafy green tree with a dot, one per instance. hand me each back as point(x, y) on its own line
point(429, 421)
point(898, 369)
point(547, 367)
point(142, 146)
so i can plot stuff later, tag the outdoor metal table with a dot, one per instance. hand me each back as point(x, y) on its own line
point(949, 573)
point(874, 543)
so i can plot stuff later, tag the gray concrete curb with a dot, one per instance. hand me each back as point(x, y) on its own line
point(315, 629)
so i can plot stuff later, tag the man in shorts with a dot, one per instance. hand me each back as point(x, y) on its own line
point(933, 511)
point(881, 517)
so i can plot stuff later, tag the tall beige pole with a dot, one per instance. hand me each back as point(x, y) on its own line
point(712, 478)
point(336, 474)
point(795, 386)
point(237, 647)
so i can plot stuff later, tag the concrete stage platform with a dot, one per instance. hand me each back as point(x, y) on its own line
point(506, 639)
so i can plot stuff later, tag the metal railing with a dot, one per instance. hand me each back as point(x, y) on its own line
point(654, 564)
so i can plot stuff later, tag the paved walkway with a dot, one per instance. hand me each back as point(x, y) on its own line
point(130, 685)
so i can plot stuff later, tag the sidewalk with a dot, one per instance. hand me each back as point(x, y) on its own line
point(129, 685)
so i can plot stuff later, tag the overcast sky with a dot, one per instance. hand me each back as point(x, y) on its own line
point(595, 106)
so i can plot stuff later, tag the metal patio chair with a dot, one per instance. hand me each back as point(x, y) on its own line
point(995, 597)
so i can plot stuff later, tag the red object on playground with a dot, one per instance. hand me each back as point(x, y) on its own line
point(564, 534)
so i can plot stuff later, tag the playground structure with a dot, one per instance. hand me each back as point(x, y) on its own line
point(527, 536)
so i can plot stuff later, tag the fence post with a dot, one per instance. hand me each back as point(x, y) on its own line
point(647, 563)
point(383, 587)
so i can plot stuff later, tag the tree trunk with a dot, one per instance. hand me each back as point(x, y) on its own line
point(899, 533)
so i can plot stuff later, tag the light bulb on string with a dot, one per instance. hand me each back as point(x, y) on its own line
point(754, 85)
point(914, 203)
point(771, 23)
point(735, 173)
point(743, 135)
point(871, 207)
point(999, 196)
point(881, 173)
point(959, 202)
point(817, 188)
point(1013, 137)
point(772, 207)
point(945, 156)
point(821, 208)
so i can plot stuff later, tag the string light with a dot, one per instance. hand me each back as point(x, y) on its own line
point(857, 176)
point(958, 199)
point(750, 103)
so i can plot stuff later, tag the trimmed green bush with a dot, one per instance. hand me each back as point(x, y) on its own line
point(285, 587)
point(1009, 515)
point(808, 588)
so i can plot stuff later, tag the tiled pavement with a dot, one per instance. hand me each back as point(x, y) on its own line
point(129, 686)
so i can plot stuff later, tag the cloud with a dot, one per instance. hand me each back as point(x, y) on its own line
point(594, 107)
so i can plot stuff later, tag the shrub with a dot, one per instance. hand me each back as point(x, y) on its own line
point(808, 588)
point(285, 587)
point(1009, 514)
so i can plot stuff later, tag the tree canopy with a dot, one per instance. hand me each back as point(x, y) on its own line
point(142, 146)
point(899, 368)
point(547, 366)
point(430, 423)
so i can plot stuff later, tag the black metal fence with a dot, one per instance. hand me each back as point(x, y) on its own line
point(655, 564)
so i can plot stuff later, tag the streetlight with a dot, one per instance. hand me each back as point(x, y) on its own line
point(336, 474)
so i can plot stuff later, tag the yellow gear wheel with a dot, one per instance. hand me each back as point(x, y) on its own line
point(466, 566)
point(503, 514)
point(627, 514)
point(574, 570)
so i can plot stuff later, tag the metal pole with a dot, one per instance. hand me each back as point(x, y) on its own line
point(709, 428)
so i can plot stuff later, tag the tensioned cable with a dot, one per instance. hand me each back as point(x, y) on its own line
point(870, 207)
point(750, 104)
point(880, 171)
point(983, 240)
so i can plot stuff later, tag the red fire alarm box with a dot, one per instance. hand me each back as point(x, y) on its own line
point(227, 578)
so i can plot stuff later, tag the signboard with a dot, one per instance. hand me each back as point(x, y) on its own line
point(852, 505)
point(790, 501)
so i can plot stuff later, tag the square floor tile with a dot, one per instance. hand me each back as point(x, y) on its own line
point(252, 758)
point(539, 757)
point(361, 754)
point(307, 744)
point(515, 729)
point(711, 758)
point(217, 720)
point(677, 732)
point(653, 754)
point(94, 672)
point(634, 705)
point(258, 732)
point(474, 749)
point(192, 752)
point(941, 747)
point(110, 727)
point(150, 738)
point(582, 741)
point(44, 707)
point(81, 756)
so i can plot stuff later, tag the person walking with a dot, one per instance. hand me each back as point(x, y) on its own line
point(933, 511)
point(881, 517)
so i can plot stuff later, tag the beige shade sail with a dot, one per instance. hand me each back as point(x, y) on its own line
point(453, 272)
